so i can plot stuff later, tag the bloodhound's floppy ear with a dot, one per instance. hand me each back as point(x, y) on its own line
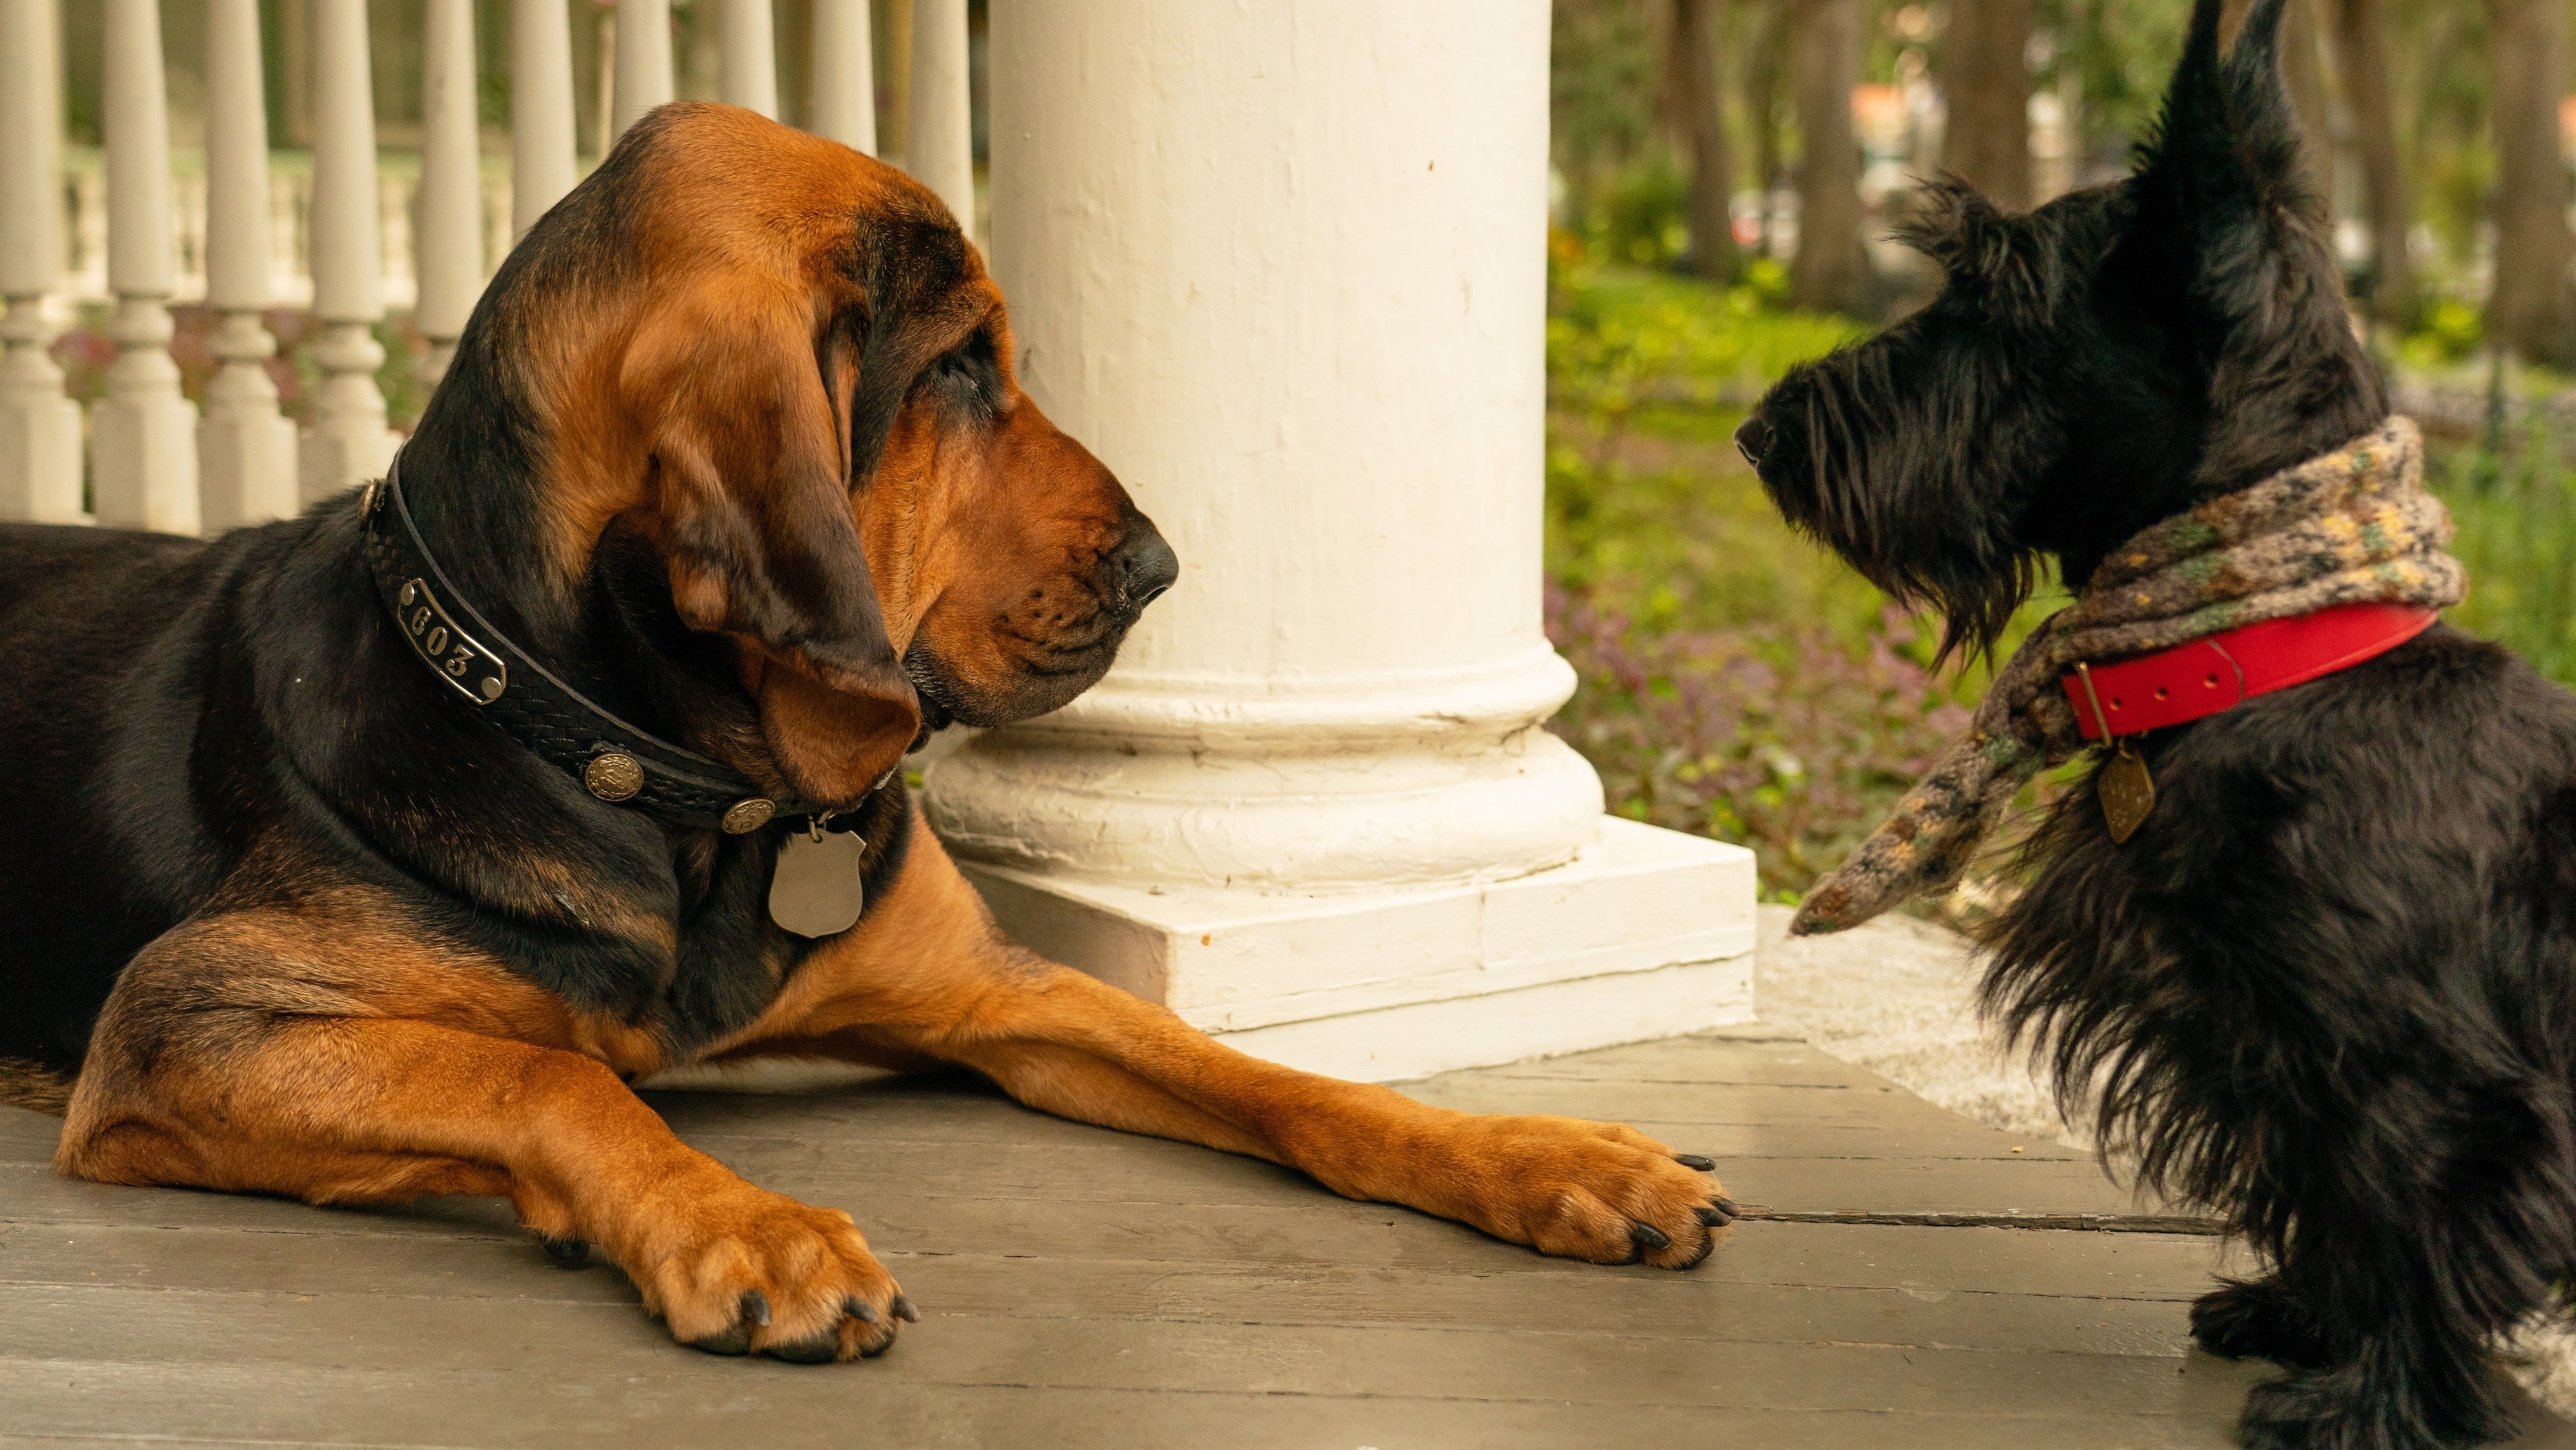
point(739, 380)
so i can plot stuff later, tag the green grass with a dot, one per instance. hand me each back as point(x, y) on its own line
point(2516, 518)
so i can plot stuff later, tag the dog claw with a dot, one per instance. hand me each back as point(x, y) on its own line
point(861, 1310)
point(752, 1312)
point(1695, 1162)
point(1647, 1237)
point(1714, 1216)
point(567, 1253)
point(904, 1311)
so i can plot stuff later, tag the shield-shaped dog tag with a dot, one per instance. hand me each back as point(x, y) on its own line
point(815, 890)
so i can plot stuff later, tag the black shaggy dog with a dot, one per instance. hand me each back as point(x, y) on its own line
point(2330, 987)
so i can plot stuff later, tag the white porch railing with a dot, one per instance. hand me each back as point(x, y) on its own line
point(342, 230)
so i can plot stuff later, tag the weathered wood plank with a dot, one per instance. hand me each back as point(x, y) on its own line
point(444, 1336)
point(835, 1168)
point(1339, 1237)
point(2113, 1310)
point(784, 1406)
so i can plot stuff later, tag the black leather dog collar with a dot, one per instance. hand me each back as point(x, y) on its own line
point(612, 759)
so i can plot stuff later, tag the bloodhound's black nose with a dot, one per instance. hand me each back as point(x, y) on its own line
point(1146, 565)
point(1752, 438)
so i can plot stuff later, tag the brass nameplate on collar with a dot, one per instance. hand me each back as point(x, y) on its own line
point(475, 672)
point(2127, 792)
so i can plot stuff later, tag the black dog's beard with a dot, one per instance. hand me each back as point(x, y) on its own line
point(1917, 509)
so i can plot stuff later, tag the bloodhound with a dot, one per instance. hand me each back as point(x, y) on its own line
point(372, 854)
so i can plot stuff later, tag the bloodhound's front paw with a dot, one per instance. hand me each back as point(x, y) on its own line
point(735, 1269)
point(1584, 1190)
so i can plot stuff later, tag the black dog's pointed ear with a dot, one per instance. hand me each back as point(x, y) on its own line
point(2229, 136)
point(1956, 226)
point(2263, 117)
point(2195, 113)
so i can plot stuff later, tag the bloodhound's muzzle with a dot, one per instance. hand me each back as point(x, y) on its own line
point(732, 453)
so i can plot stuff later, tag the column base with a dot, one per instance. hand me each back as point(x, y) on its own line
point(1646, 933)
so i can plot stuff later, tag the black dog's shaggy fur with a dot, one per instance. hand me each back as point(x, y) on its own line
point(2329, 988)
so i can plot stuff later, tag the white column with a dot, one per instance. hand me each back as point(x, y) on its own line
point(245, 450)
point(541, 126)
point(1283, 269)
point(939, 129)
point(750, 58)
point(40, 429)
point(845, 84)
point(643, 61)
point(447, 233)
point(145, 433)
point(348, 443)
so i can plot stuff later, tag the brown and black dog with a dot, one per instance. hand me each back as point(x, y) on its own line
point(732, 450)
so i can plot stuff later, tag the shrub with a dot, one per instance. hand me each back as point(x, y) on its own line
point(1773, 734)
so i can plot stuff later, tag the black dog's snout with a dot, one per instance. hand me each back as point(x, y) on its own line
point(1146, 566)
point(1752, 438)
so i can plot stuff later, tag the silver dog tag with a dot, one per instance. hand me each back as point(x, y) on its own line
point(816, 891)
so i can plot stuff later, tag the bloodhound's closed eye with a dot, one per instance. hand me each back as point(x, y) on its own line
point(370, 855)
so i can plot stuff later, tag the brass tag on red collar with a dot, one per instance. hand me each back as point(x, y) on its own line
point(2127, 792)
point(815, 890)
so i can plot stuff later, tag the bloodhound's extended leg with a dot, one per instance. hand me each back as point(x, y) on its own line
point(1068, 1044)
point(285, 1053)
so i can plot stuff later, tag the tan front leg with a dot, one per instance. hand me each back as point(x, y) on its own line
point(260, 1052)
point(927, 975)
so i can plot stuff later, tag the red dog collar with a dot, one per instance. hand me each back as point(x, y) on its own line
point(2207, 676)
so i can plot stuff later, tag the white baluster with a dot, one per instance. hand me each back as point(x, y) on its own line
point(750, 58)
point(245, 451)
point(348, 443)
point(40, 429)
point(643, 61)
point(845, 85)
point(447, 234)
point(938, 135)
point(541, 144)
point(146, 433)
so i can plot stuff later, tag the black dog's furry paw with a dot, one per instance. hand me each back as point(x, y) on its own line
point(2258, 1319)
point(2342, 1409)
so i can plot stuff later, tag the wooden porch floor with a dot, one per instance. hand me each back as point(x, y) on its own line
point(1085, 1288)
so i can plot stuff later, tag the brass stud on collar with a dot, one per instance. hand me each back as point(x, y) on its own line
point(613, 776)
point(748, 815)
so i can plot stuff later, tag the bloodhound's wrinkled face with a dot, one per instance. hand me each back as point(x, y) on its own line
point(839, 466)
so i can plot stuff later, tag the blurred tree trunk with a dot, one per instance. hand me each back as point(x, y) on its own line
point(2302, 65)
point(1695, 77)
point(1773, 29)
point(1831, 271)
point(1985, 76)
point(2361, 54)
point(2532, 310)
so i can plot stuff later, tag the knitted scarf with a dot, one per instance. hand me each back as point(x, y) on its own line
point(2352, 526)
